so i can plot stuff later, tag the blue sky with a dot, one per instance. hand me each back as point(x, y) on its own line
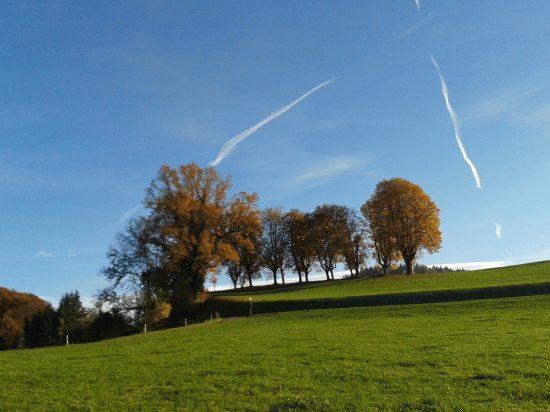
point(96, 96)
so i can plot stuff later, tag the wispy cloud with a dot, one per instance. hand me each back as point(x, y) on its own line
point(415, 27)
point(500, 103)
point(231, 143)
point(537, 117)
point(498, 230)
point(71, 253)
point(328, 171)
point(43, 254)
point(456, 124)
point(417, 2)
point(127, 215)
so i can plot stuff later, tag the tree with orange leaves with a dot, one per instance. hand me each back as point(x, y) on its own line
point(191, 229)
point(406, 217)
point(198, 226)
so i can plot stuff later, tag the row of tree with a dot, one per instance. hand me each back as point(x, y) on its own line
point(398, 221)
point(297, 242)
point(26, 321)
point(71, 323)
point(194, 232)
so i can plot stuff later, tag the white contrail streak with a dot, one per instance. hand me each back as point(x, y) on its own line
point(234, 141)
point(498, 231)
point(417, 2)
point(456, 123)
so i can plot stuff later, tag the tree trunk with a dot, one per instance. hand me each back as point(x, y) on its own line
point(249, 279)
point(234, 283)
point(283, 276)
point(299, 276)
point(327, 273)
point(409, 262)
point(332, 274)
point(307, 276)
point(275, 277)
point(410, 267)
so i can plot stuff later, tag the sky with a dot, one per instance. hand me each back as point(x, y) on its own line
point(96, 96)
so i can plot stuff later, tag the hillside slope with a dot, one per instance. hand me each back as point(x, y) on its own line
point(477, 355)
point(526, 274)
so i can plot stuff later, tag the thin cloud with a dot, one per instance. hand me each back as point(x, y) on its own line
point(328, 171)
point(71, 253)
point(43, 254)
point(414, 28)
point(498, 230)
point(234, 141)
point(417, 2)
point(506, 101)
point(537, 117)
point(456, 123)
point(126, 216)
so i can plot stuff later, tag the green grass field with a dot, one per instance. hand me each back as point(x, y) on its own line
point(483, 355)
point(531, 273)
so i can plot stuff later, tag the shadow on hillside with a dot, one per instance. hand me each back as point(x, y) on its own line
point(238, 308)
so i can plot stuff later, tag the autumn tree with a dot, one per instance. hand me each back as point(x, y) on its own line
point(245, 239)
point(274, 242)
point(412, 217)
point(137, 269)
point(328, 236)
point(15, 310)
point(235, 271)
point(354, 248)
point(250, 258)
point(191, 229)
point(300, 242)
point(382, 240)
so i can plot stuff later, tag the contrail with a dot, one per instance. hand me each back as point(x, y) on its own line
point(456, 124)
point(415, 27)
point(498, 230)
point(417, 2)
point(234, 141)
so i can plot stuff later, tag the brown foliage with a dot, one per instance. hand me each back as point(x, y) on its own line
point(199, 226)
point(274, 242)
point(300, 240)
point(329, 236)
point(15, 309)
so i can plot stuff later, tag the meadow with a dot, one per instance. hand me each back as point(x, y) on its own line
point(477, 355)
point(527, 274)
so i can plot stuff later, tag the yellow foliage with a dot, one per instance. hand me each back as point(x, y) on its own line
point(160, 312)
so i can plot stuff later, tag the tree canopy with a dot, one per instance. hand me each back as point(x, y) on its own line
point(403, 217)
point(192, 228)
point(15, 310)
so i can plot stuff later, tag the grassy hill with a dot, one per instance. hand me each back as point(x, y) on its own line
point(490, 354)
point(521, 280)
point(532, 273)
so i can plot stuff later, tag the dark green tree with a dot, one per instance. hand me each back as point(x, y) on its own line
point(72, 315)
point(44, 329)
